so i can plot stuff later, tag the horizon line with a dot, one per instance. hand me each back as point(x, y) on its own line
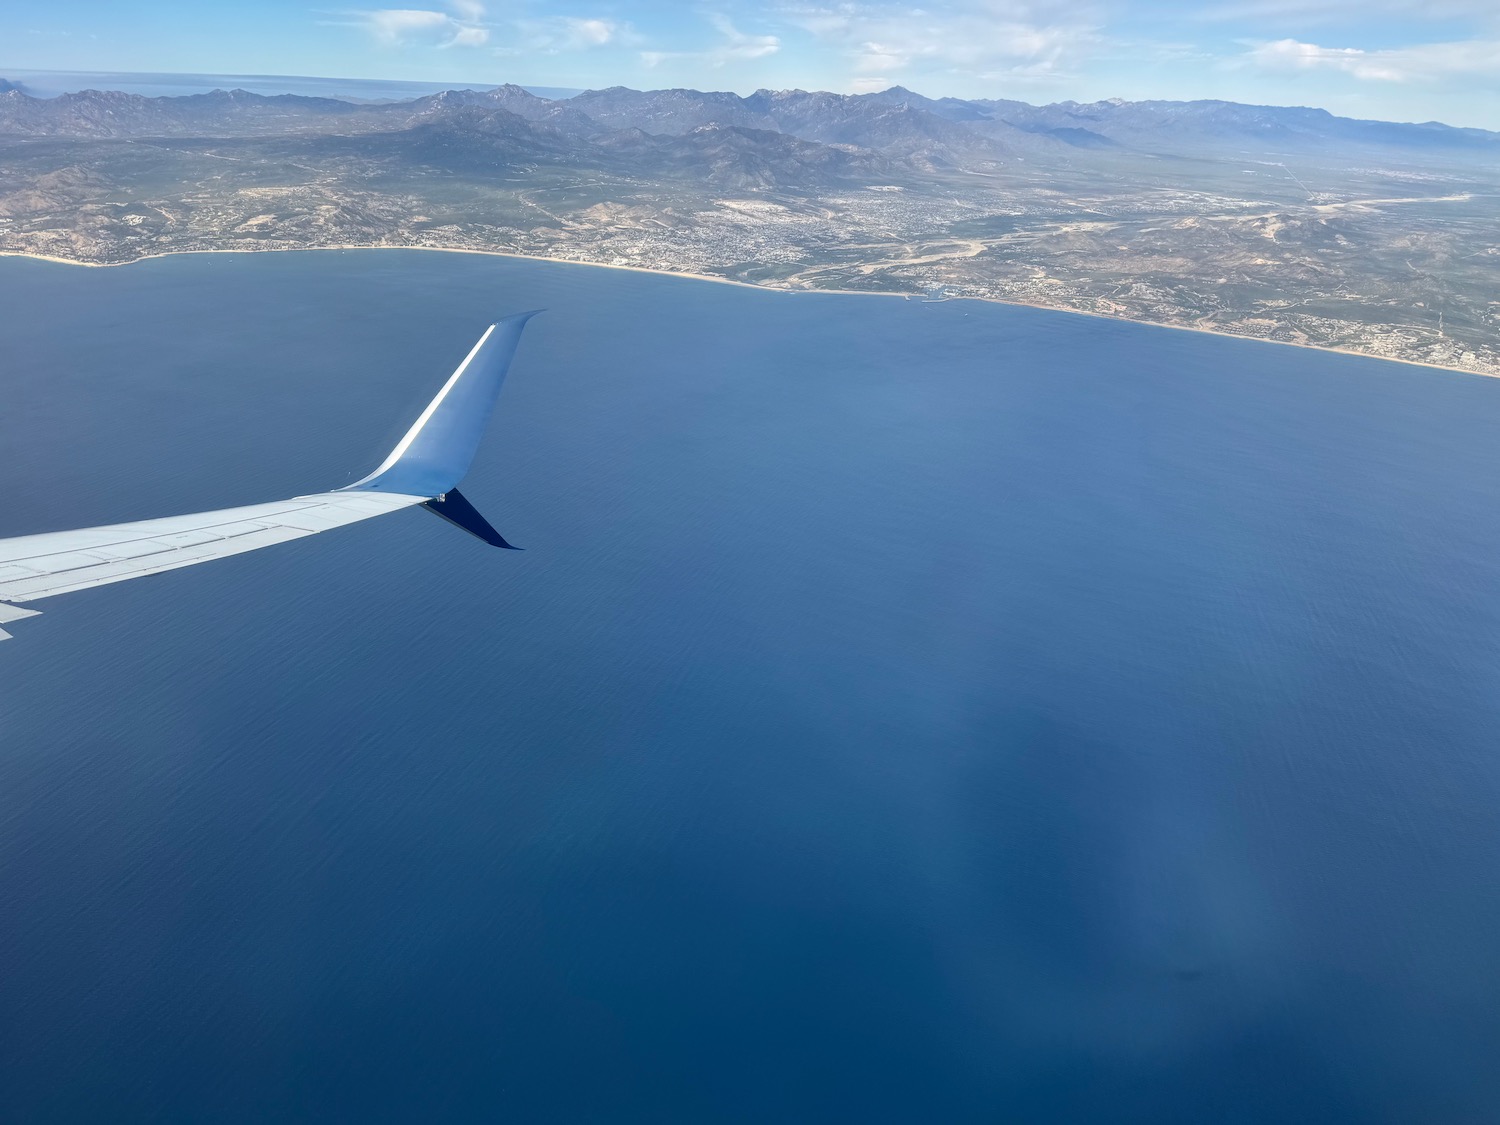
point(445, 85)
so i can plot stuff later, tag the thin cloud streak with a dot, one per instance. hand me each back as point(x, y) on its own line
point(568, 33)
point(1425, 63)
point(398, 27)
point(1313, 12)
point(735, 46)
point(974, 38)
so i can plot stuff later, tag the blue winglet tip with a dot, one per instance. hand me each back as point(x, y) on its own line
point(454, 507)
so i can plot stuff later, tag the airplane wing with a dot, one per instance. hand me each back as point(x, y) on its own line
point(424, 469)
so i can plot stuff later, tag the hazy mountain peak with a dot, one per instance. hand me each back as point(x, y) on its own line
point(897, 122)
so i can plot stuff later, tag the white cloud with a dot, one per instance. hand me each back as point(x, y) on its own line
point(974, 38)
point(1288, 54)
point(874, 57)
point(734, 46)
point(738, 45)
point(469, 37)
point(1307, 12)
point(1425, 62)
point(591, 33)
point(395, 27)
point(568, 33)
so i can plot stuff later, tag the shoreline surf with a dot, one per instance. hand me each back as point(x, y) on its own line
point(752, 285)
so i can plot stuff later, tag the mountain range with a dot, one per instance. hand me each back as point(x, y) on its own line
point(893, 128)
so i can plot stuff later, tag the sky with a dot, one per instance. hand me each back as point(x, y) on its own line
point(1400, 60)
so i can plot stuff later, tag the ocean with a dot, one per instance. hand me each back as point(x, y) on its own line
point(51, 83)
point(902, 711)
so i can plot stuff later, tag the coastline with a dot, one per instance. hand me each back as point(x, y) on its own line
point(763, 288)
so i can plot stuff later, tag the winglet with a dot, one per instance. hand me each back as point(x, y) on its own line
point(439, 448)
point(454, 507)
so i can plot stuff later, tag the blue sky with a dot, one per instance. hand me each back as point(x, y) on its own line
point(1393, 59)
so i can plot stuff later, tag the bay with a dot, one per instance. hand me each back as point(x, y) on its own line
point(902, 711)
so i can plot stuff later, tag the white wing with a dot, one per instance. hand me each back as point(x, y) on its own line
point(40, 566)
point(423, 469)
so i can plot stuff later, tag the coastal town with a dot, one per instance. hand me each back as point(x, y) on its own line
point(1396, 257)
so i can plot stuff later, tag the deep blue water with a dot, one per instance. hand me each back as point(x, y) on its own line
point(902, 712)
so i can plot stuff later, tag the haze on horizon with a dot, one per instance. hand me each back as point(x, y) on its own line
point(1399, 60)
